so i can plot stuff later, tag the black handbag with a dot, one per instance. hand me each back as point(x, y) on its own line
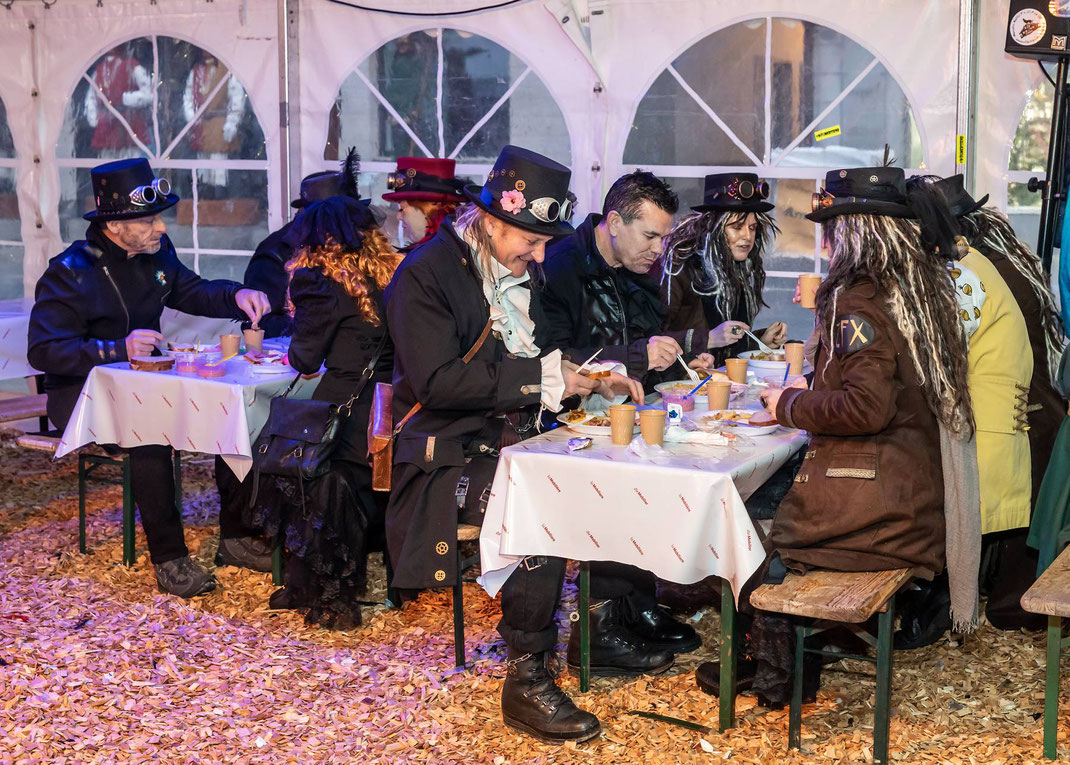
point(299, 436)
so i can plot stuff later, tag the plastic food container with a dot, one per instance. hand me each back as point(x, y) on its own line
point(185, 362)
point(211, 365)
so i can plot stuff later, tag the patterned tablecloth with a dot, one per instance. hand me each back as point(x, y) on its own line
point(14, 321)
point(215, 416)
point(679, 515)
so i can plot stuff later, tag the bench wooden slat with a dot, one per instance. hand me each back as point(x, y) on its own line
point(22, 407)
point(1050, 594)
point(40, 443)
point(835, 595)
point(467, 532)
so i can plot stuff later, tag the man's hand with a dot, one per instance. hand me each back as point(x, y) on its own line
point(577, 384)
point(726, 333)
point(661, 352)
point(620, 385)
point(776, 334)
point(254, 303)
point(703, 361)
point(770, 396)
point(140, 342)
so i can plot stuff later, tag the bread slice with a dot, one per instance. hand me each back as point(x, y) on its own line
point(152, 363)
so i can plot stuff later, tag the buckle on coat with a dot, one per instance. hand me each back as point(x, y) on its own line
point(484, 499)
point(461, 492)
point(533, 562)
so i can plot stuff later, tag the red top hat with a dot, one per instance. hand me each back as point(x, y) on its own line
point(424, 178)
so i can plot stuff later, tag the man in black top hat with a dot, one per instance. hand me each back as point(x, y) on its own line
point(100, 302)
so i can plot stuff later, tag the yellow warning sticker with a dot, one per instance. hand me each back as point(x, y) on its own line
point(821, 135)
point(960, 150)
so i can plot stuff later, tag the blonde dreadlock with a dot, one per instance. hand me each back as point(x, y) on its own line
point(921, 297)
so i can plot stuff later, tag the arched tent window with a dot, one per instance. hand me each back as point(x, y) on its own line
point(179, 106)
point(10, 227)
point(442, 93)
point(755, 97)
point(1029, 159)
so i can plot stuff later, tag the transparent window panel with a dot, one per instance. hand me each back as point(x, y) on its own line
point(477, 72)
point(727, 70)
point(529, 118)
point(76, 199)
point(10, 223)
point(230, 267)
point(1023, 210)
point(794, 249)
point(232, 209)
point(688, 191)
point(778, 294)
point(10, 271)
point(671, 129)
point(405, 72)
point(1029, 151)
point(7, 145)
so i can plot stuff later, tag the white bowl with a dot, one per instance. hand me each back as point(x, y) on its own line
point(762, 368)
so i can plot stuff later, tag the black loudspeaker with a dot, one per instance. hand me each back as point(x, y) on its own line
point(1038, 29)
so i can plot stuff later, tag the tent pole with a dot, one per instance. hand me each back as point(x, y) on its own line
point(1053, 188)
point(966, 118)
point(284, 107)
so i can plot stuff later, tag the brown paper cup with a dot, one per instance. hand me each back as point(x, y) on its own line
point(254, 340)
point(737, 370)
point(621, 423)
point(793, 354)
point(652, 426)
point(808, 284)
point(719, 392)
point(229, 344)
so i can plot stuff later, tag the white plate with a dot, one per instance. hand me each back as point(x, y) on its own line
point(271, 369)
point(591, 430)
point(747, 430)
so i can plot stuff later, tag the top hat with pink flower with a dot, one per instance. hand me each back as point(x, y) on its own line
point(527, 190)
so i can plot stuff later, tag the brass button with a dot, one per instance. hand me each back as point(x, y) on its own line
point(525, 389)
point(442, 548)
point(497, 335)
point(440, 576)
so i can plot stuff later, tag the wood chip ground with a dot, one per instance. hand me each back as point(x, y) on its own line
point(97, 666)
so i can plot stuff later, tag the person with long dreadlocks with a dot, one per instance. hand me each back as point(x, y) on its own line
point(712, 275)
point(888, 406)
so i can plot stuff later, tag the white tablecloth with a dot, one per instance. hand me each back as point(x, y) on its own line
point(14, 322)
point(215, 416)
point(680, 515)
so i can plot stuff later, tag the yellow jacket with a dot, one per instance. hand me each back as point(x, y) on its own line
point(1000, 366)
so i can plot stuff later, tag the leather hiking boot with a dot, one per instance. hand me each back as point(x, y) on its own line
point(642, 616)
point(708, 676)
point(615, 651)
point(244, 552)
point(924, 616)
point(183, 577)
point(533, 704)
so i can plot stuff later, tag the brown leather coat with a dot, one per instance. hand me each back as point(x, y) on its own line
point(870, 493)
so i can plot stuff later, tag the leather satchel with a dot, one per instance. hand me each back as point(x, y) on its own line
point(381, 432)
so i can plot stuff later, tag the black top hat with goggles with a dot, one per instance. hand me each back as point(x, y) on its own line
point(861, 191)
point(734, 192)
point(527, 190)
point(126, 189)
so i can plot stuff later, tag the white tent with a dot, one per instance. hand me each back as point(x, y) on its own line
point(236, 100)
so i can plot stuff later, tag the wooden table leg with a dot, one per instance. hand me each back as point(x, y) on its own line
point(1051, 686)
point(727, 701)
point(585, 627)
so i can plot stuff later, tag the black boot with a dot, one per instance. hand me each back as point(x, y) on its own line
point(615, 651)
point(644, 617)
point(924, 615)
point(532, 702)
point(708, 676)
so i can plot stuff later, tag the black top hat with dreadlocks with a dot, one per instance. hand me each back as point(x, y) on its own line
point(332, 183)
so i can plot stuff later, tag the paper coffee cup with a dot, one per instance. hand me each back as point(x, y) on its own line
point(254, 340)
point(737, 370)
point(808, 284)
point(718, 393)
point(621, 423)
point(652, 426)
point(793, 354)
point(229, 344)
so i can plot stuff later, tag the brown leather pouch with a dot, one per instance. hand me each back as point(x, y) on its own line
point(381, 436)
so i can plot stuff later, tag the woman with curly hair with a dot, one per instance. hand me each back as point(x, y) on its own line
point(427, 193)
point(342, 264)
point(712, 275)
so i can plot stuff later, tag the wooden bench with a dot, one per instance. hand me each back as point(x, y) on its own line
point(23, 407)
point(1050, 595)
point(834, 597)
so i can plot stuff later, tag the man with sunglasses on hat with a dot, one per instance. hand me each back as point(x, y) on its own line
point(597, 295)
point(99, 302)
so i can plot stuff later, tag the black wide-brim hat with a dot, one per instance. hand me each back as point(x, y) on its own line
point(863, 191)
point(734, 192)
point(332, 183)
point(522, 184)
point(958, 199)
point(114, 184)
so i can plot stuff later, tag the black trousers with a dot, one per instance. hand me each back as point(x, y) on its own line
point(152, 474)
point(234, 497)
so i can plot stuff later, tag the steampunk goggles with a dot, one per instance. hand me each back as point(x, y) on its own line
point(744, 189)
point(143, 196)
point(549, 210)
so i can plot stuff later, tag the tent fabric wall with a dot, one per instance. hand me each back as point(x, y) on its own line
point(596, 57)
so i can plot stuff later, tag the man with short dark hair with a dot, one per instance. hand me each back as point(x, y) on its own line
point(597, 295)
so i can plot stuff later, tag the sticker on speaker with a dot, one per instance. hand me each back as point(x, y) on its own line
point(1028, 26)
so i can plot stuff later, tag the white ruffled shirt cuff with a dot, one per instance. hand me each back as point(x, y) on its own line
point(553, 381)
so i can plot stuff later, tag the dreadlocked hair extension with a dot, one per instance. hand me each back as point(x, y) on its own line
point(988, 229)
point(376, 261)
point(701, 235)
point(921, 298)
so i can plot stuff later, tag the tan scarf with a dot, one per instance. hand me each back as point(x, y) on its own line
point(962, 527)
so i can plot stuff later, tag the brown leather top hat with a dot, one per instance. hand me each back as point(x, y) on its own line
point(127, 188)
point(734, 192)
point(427, 179)
point(862, 191)
point(527, 190)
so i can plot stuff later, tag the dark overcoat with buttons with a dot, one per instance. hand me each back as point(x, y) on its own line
point(436, 311)
point(870, 493)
